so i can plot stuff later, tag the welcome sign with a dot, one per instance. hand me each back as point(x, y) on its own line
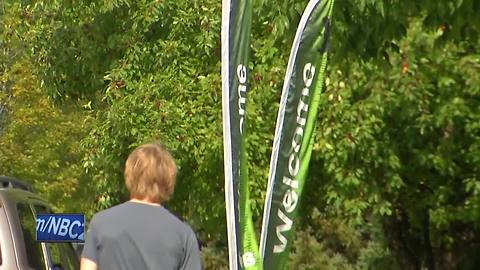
point(60, 227)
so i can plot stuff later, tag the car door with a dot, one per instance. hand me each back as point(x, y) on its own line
point(60, 256)
point(35, 256)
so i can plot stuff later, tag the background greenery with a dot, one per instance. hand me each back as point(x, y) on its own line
point(394, 181)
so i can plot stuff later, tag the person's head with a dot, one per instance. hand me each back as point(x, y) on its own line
point(150, 173)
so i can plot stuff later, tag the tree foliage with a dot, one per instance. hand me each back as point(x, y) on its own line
point(39, 141)
point(403, 144)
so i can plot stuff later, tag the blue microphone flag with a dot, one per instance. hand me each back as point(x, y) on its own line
point(60, 227)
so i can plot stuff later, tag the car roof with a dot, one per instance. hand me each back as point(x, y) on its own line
point(11, 182)
point(13, 191)
point(18, 195)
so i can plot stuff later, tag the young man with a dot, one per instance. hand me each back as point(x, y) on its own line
point(141, 234)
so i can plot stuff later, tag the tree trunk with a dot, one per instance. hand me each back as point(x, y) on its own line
point(427, 243)
point(397, 234)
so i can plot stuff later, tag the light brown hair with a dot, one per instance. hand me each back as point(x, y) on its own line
point(150, 173)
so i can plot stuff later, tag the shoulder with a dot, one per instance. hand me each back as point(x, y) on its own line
point(175, 219)
point(182, 227)
point(107, 214)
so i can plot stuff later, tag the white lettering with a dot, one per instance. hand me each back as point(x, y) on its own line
point(72, 235)
point(40, 223)
point(290, 197)
point(242, 89)
point(45, 226)
point(64, 227)
point(308, 73)
point(242, 74)
point(242, 93)
point(287, 226)
point(290, 200)
point(297, 140)
point(302, 107)
point(54, 225)
point(289, 182)
point(293, 170)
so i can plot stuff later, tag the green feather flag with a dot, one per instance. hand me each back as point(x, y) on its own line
point(236, 23)
point(293, 141)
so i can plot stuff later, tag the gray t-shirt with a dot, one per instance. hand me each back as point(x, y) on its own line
point(137, 236)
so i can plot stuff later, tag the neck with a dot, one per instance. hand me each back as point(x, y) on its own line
point(144, 201)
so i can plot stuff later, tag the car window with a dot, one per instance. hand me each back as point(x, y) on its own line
point(40, 209)
point(33, 249)
point(63, 256)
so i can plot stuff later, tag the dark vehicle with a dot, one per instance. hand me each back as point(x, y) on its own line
point(18, 248)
